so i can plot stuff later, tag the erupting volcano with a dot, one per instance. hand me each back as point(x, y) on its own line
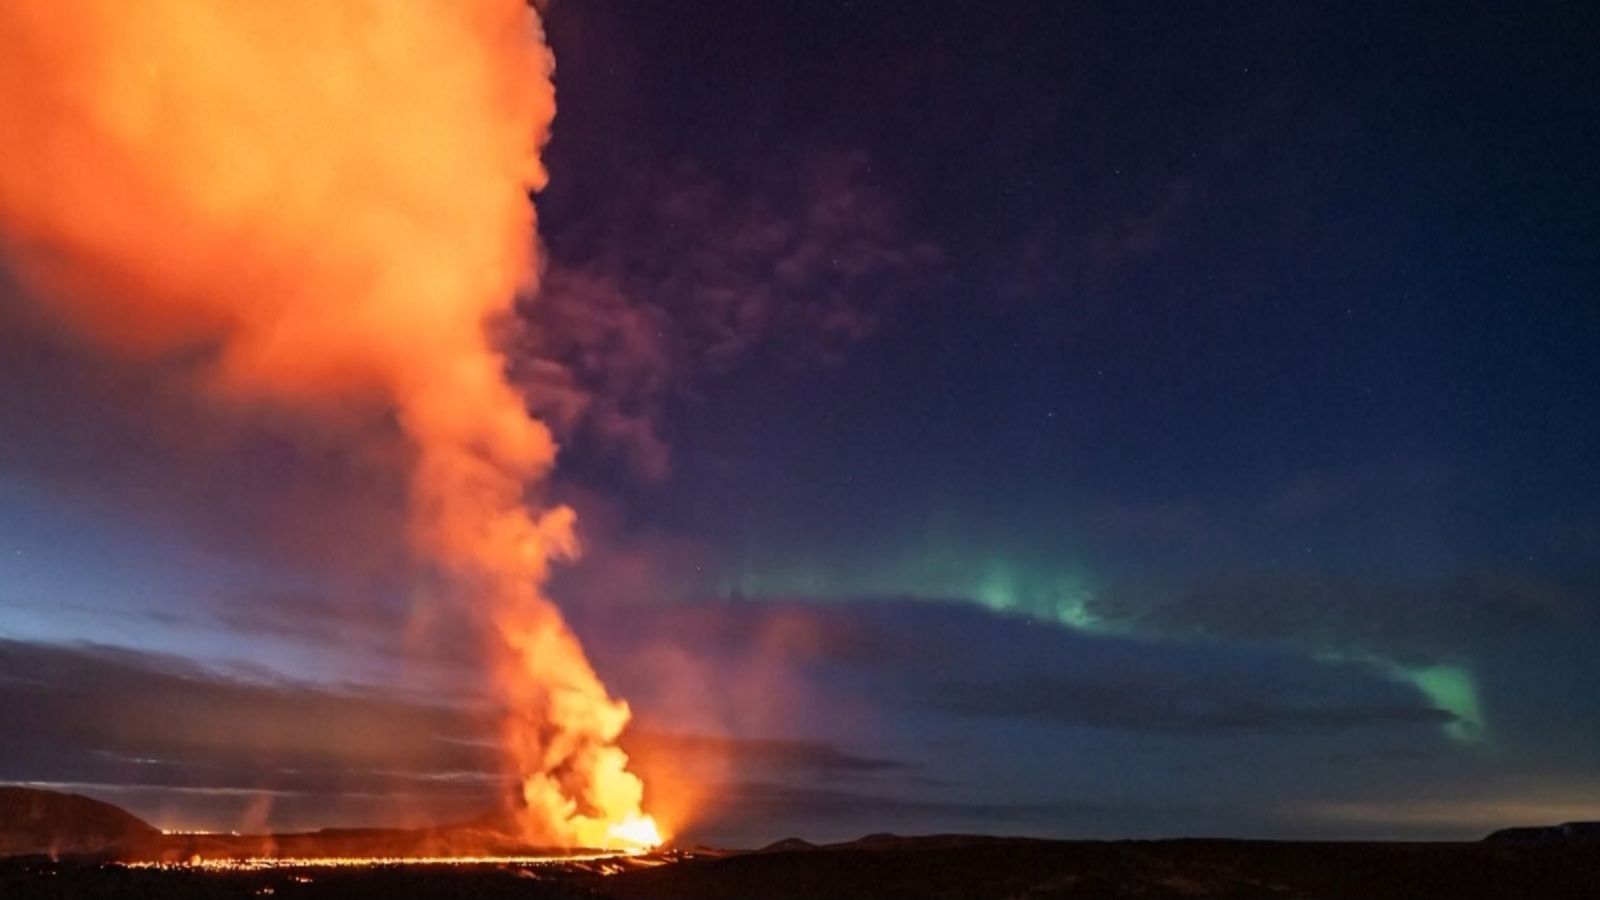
point(855, 450)
point(275, 202)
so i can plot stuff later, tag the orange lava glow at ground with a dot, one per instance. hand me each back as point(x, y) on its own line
point(625, 860)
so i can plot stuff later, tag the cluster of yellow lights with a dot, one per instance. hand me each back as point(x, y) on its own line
point(632, 837)
point(258, 863)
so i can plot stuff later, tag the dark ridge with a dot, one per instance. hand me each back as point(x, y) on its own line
point(788, 845)
point(52, 823)
point(1570, 831)
point(926, 842)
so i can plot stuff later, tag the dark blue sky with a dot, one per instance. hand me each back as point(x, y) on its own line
point(1057, 418)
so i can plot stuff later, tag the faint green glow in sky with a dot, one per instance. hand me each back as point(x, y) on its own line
point(1451, 688)
point(1061, 595)
point(1448, 686)
point(1061, 598)
point(1064, 595)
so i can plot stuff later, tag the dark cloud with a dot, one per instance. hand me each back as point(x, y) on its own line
point(376, 625)
point(754, 754)
point(777, 717)
point(798, 696)
point(206, 747)
point(1191, 706)
point(1406, 622)
point(961, 660)
point(91, 712)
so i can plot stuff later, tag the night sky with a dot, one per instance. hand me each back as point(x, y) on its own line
point(1067, 419)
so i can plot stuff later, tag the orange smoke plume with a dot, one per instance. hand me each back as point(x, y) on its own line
point(326, 200)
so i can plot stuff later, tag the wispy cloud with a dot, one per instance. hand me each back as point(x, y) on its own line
point(691, 274)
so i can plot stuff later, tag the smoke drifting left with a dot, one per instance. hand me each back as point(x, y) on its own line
point(276, 203)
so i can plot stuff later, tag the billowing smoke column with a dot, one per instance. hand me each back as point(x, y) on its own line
point(326, 200)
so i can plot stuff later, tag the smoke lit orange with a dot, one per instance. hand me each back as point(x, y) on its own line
point(326, 202)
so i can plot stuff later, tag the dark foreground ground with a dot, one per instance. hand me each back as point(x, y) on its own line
point(966, 868)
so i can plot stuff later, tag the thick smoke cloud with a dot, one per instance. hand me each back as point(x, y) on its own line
point(277, 204)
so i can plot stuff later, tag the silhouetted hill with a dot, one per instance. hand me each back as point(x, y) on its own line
point(1571, 831)
point(49, 822)
point(788, 845)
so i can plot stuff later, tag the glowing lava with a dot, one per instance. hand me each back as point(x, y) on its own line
point(262, 863)
point(636, 831)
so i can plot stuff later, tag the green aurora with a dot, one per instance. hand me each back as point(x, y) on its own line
point(1065, 595)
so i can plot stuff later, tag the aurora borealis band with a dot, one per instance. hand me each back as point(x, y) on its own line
point(1096, 420)
point(1068, 599)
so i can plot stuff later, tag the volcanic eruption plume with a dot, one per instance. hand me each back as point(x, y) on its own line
point(326, 202)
